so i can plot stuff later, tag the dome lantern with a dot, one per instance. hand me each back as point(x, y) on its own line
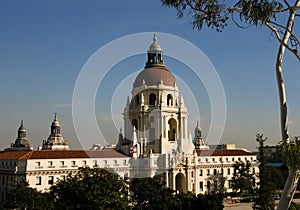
point(155, 52)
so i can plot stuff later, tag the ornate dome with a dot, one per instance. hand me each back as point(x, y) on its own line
point(154, 76)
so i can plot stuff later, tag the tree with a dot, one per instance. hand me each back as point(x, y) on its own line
point(266, 189)
point(216, 13)
point(91, 189)
point(150, 193)
point(24, 197)
point(243, 179)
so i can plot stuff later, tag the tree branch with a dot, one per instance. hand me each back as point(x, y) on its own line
point(272, 28)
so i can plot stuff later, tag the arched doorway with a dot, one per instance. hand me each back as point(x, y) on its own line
point(180, 182)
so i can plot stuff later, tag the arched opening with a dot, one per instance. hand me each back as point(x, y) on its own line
point(172, 133)
point(169, 100)
point(137, 100)
point(134, 123)
point(180, 182)
point(152, 99)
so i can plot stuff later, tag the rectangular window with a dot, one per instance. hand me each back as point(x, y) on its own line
point(50, 179)
point(201, 172)
point(215, 171)
point(208, 185)
point(208, 172)
point(228, 171)
point(201, 186)
point(62, 163)
point(50, 164)
point(84, 162)
point(95, 163)
point(38, 180)
point(192, 174)
point(73, 163)
point(105, 162)
point(124, 162)
point(38, 164)
point(115, 162)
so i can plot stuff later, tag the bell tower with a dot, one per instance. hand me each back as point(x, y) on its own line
point(156, 112)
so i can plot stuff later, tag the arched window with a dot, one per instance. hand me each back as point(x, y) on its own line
point(169, 100)
point(152, 99)
point(134, 123)
point(137, 100)
point(172, 133)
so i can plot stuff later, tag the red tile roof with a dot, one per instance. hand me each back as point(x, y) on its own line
point(60, 154)
point(224, 152)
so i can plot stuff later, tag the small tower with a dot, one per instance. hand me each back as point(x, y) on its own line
point(198, 140)
point(21, 143)
point(55, 140)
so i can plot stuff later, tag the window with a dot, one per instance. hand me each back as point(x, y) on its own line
point(215, 171)
point(226, 159)
point(115, 162)
point(137, 100)
point(152, 99)
point(50, 179)
point(201, 186)
point(192, 174)
point(124, 162)
point(62, 163)
point(253, 170)
point(199, 160)
point(201, 172)
point(73, 163)
point(37, 164)
point(228, 171)
point(232, 159)
point(213, 159)
point(208, 185)
point(38, 180)
point(84, 162)
point(105, 162)
point(169, 100)
point(63, 177)
point(50, 164)
point(95, 163)
point(208, 172)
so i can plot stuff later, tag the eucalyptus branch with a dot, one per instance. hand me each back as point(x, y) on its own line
point(272, 28)
point(294, 37)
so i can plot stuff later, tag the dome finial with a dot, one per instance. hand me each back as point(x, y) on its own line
point(154, 38)
point(21, 123)
point(55, 116)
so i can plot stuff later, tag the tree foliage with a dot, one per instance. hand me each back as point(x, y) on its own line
point(266, 190)
point(243, 179)
point(24, 197)
point(90, 189)
point(216, 14)
point(102, 189)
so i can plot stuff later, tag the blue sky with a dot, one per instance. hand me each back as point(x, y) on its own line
point(44, 45)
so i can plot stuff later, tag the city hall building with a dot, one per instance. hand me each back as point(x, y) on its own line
point(155, 140)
